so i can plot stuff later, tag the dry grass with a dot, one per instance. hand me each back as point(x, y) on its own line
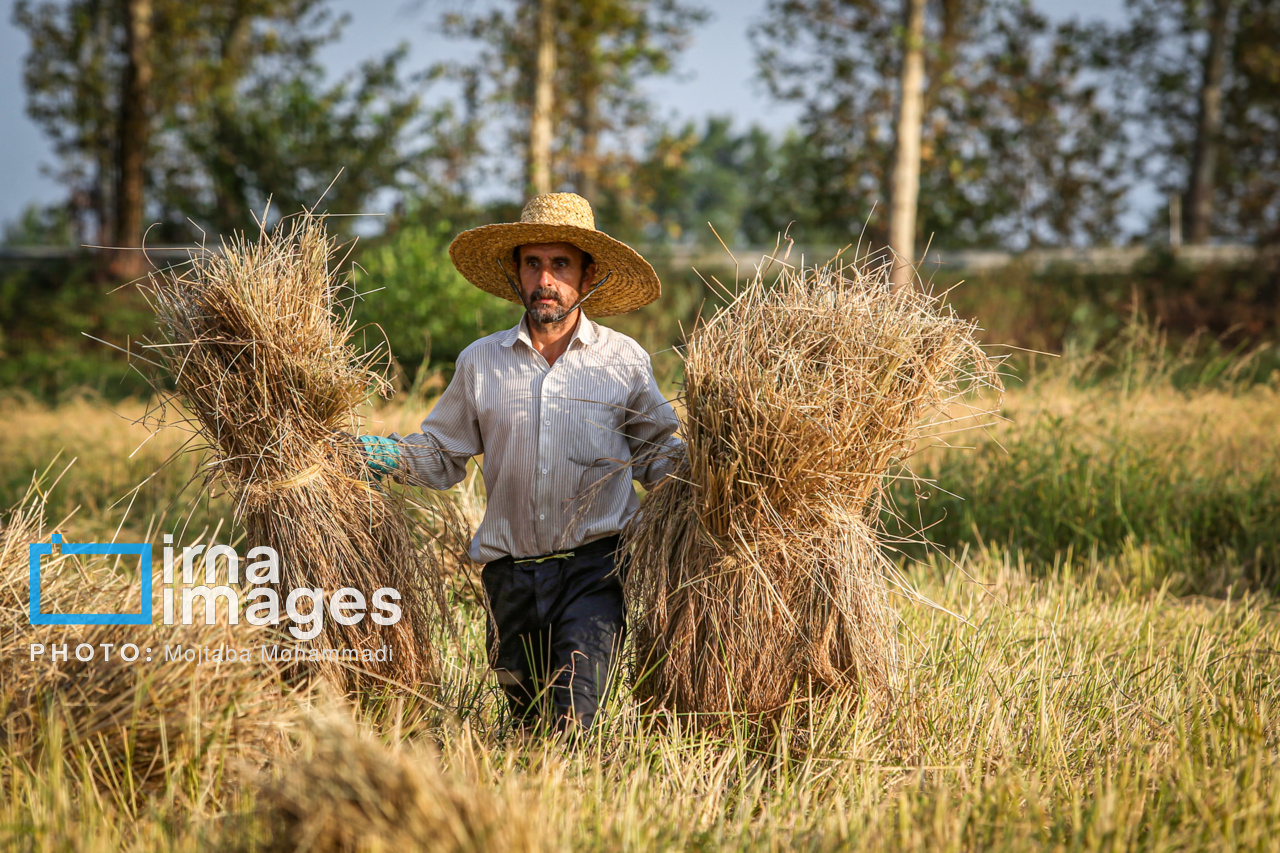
point(756, 571)
point(1074, 710)
point(257, 345)
point(108, 465)
point(346, 789)
point(130, 726)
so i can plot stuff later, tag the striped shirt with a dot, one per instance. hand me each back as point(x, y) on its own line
point(561, 442)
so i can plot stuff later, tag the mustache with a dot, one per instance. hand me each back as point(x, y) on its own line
point(546, 293)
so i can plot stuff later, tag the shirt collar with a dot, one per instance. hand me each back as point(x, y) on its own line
point(518, 332)
point(586, 331)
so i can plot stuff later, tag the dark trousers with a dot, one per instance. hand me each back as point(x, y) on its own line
point(555, 627)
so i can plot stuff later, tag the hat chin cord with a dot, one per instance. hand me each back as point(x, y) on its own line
point(563, 314)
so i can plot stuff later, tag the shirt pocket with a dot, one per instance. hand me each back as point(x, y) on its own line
point(597, 417)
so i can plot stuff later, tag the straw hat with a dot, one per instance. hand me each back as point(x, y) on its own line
point(484, 255)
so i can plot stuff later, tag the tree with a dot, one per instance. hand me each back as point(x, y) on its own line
point(135, 134)
point(40, 225)
point(540, 115)
point(1208, 129)
point(1017, 144)
point(236, 110)
point(603, 50)
point(749, 184)
point(427, 310)
point(1208, 126)
point(688, 177)
point(285, 138)
point(68, 76)
point(905, 188)
point(613, 46)
point(1247, 177)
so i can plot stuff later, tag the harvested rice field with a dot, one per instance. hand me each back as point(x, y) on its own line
point(1100, 668)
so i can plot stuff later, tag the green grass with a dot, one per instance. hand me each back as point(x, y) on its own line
point(1066, 483)
point(1101, 456)
point(50, 313)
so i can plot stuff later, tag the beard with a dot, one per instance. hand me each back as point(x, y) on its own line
point(546, 313)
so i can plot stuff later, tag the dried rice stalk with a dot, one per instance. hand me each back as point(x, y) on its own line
point(257, 344)
point(348, 791)
point(139, 725)
point(757, 571)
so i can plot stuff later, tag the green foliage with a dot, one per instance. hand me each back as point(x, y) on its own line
point(749, 185)
point(1061, 487)
point(422, 304)
point(71, 77)
point(1063, 306)
point(1154, 63)
point(287, 137)
point(47, 312)
point(1018, 146)
point(39, 226)
point(605, 49)
point(240, 113)
point(1220, 311)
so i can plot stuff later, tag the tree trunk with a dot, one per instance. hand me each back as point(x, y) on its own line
point(539, 167)
point(134, 137)
point(905, 187)
point(103, 191)
point(956, 23)
point(1199, 206)
point(229, 191)
point(591, 17)
point(590, 140)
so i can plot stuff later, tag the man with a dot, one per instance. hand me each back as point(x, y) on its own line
point(566, 413)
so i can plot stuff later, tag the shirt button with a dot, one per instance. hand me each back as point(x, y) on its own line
point(542, 518)
point(544, 470)
point(547, 423)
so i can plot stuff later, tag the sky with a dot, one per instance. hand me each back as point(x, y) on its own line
point(717, 75)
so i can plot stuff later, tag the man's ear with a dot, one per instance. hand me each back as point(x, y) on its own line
point(588, 278)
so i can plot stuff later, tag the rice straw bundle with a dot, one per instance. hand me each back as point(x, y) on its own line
point(135, 726)
point(258, 347)
point(346, 790)
point(757, 569)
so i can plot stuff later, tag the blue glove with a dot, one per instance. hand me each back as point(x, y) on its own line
point(381, 454)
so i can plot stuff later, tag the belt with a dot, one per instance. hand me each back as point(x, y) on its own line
point(596, 546)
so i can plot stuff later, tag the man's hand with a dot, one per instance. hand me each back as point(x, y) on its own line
point(381, 454)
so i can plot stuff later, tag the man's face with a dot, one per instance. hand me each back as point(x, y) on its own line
point(552, 279)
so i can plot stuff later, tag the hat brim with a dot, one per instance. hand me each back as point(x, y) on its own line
point(484, 257)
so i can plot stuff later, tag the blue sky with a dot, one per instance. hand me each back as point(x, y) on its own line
point(717, 75)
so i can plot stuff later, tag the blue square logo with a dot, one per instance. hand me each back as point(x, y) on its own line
point(141, 549)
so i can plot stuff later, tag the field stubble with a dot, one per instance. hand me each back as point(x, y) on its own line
point(1112, 684)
